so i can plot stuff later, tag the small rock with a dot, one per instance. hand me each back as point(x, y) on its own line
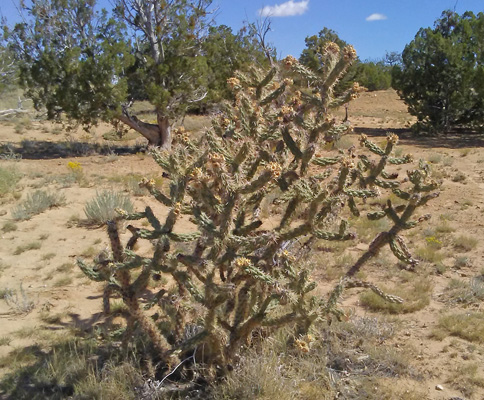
point(439, 387)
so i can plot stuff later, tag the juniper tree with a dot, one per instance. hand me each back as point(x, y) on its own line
point(89, 65)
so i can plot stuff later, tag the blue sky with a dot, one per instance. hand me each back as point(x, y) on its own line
point(372, 26)
point(392, 23)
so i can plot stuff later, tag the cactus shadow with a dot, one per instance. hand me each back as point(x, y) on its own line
point(456, 139)
point(45, 150)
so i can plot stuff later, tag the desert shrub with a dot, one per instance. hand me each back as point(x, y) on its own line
point(9, 178)
point(19, 302)
point(233, 278)
point(102, 207)
point(466, 292)
point(36, 203)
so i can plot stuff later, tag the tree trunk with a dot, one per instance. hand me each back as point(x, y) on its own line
point(158, 135)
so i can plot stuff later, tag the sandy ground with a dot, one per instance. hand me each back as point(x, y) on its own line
point(50, 279)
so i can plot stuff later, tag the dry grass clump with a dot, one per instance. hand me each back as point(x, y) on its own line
point(466, 377)
point(415, 294)
point(465, 243)
point(468, 326)
point(29, 246)
point(9, 226)
point(36, 203)
point(9, 177)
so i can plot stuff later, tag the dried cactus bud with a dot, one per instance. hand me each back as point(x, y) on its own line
point(121, 212)
point(233, 83)
point(179, 131)
point(301, 345)
point(275, 169)
point(331, 48)
point(349, 53)
point(242, 262)
point(289, 61)
point(177, 209)
point(196, 174)
point(392, 138)
point(185, 139)
point(347, 163)
point(288, 81)
point(363, 139)
point(286, 110)
point(148, 183)
point(216, 157)
point(275, 85)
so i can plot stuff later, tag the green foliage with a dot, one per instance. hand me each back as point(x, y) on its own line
point(442, 74)
point(36, 203)
point(225, 53)
point(90, 64)
point(313, 56)
point(102, 207)
point(231, 277)
point(71, 62)
point(374, 75)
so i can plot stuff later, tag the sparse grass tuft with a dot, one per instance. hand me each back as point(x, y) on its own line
point(52, 319)
point(435, 158)
point(27, 247)
point(468, 326)
point(5, 292)
point(459, 177)
point(429, 253)
point(62, 281)
point(5, 341)
point(466, 377)
point(36, 203)
point(47, 256)
point(9, 226)
point(66, 267)
point(461, 262)
point(102, 208)
point(89, 252)
point(465, 243)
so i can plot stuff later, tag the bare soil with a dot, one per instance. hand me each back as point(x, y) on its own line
point(57, 288)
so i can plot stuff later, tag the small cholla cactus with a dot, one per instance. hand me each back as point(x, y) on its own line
point(232, 275)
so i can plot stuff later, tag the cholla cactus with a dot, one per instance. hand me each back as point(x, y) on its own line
point(268, 149)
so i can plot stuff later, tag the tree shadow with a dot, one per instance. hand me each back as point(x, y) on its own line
point(45, 150)
point(457, 139)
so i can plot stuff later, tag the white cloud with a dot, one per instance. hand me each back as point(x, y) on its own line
point(376, 17)
point(287, 9)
